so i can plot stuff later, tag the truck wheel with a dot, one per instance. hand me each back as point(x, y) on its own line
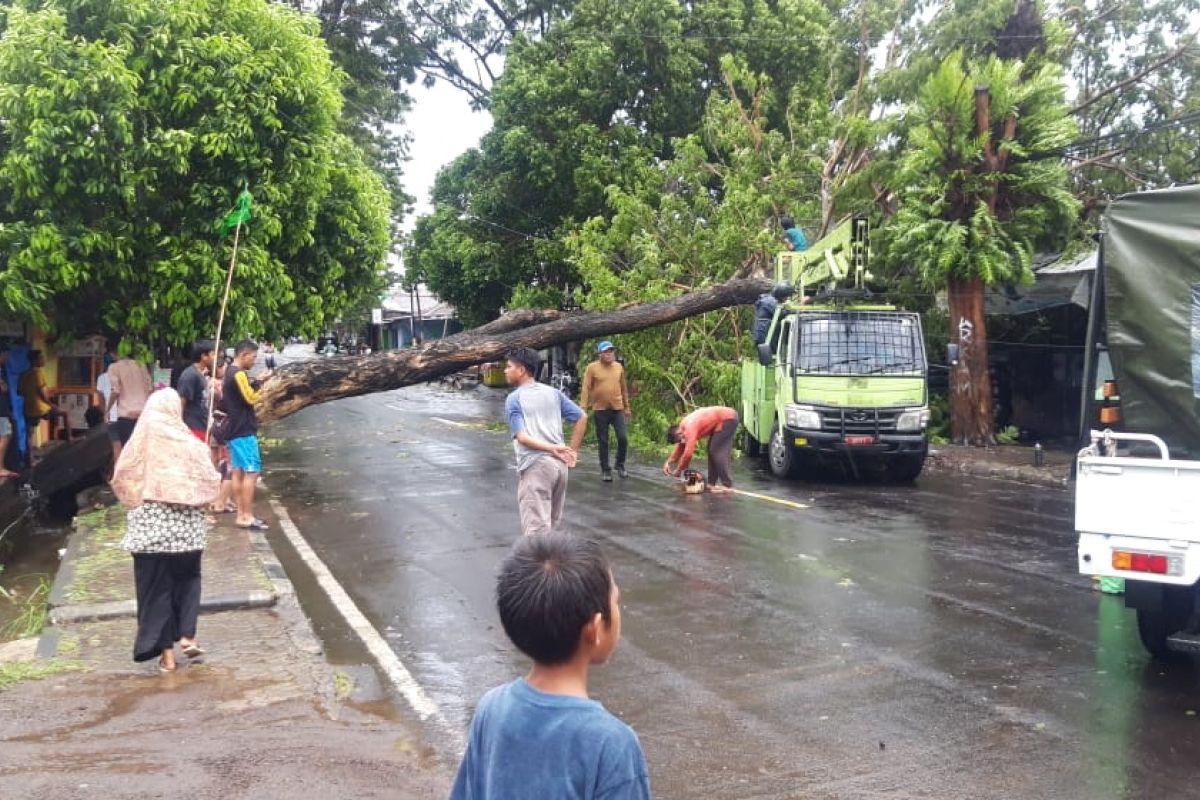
point(1155, 626)
point(782, 456)
point(905, 469)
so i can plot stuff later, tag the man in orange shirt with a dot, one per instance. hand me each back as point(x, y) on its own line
point(606, 395)
point(719, 423)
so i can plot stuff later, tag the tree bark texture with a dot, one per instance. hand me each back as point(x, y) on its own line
point(297, 386)
point(970, 381)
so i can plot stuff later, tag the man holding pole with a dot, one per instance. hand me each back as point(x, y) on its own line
point(240, 393)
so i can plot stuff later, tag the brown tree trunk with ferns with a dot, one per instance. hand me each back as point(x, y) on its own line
point(970, 382)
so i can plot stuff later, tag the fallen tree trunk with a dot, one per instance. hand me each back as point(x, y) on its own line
point(297, 386)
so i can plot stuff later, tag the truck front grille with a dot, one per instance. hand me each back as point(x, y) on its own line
point(859, 421)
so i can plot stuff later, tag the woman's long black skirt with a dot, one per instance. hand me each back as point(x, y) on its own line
point(168, 600)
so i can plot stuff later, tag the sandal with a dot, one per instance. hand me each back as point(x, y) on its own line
point(254, 525)
point(194, 650)
point(162, 666)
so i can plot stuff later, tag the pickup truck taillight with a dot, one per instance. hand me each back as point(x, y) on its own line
point(1146, 562)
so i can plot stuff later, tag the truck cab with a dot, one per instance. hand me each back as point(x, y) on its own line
point(839, 380)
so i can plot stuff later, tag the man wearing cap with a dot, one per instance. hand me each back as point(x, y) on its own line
point(535, 414)
point(606, 394)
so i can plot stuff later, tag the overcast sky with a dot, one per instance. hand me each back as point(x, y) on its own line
point(443, 126)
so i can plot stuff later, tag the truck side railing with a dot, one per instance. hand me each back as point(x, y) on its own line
point(1104, 443)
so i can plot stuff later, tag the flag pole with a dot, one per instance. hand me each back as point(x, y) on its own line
point(212, 395)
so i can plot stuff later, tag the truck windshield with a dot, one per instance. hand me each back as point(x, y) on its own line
point(859, 343)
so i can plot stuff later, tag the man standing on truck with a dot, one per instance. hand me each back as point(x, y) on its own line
point(793, 238)
point(606, 395)
point(719, 423)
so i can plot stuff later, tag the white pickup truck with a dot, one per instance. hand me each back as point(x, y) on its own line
point(1137, 496)
point(1139, 519)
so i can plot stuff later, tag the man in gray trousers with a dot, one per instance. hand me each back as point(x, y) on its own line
point(535, 414)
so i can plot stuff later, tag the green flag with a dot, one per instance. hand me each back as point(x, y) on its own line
point(239, 214)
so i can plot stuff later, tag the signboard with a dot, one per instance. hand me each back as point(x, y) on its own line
point(376, 316)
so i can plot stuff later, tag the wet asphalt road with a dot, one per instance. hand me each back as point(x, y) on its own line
point(929, 641)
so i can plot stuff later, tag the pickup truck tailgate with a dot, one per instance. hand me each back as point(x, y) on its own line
point(1140, 505)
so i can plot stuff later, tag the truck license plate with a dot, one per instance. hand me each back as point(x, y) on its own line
point(852, 440)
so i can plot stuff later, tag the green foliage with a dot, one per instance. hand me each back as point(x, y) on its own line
point(599, 104)
point(1009, 435)
point(939, 419)
point(690, 222)
point(959, 217)
point(15, 672)
point(127, 128)
point(33, 610)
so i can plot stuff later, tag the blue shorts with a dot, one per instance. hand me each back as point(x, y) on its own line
point(244, 455)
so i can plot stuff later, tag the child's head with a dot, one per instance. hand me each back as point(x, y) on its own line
point(556, 596)
point(787, 223)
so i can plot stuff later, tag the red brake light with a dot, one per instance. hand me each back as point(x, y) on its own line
point(1140, 562)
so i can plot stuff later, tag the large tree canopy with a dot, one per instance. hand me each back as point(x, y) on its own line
point(127, 128)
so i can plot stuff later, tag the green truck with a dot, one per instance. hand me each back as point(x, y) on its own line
point(840, 378)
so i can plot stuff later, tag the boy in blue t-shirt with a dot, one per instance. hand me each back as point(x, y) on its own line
point(540, 736)
point(793, 237)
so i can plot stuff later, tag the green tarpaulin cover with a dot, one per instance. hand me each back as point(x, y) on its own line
point(1152, 297)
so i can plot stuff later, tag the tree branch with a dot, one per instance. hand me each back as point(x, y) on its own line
point(297, 386)
point(1121, 86)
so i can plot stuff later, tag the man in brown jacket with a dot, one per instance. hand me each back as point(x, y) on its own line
point(606, 394)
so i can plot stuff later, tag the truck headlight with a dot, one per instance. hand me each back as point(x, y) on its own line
point(804, 417)
point(914, 419)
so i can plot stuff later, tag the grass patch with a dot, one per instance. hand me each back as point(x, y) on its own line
point(105, 529)
point(68, 646)
point(343, 685)
point(85, 587)
point(17, 671)
point(33, 611)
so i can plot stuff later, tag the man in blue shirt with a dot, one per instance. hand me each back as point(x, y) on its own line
point(541, 736)
point(535, 414)
point(793, 237)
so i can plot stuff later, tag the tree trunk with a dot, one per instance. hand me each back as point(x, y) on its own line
point(296, 386)
point(970, 382)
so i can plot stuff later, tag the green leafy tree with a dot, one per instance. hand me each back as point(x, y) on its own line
point(127, 128)
point(583, 108)
point(974, 204)
point(703, 217)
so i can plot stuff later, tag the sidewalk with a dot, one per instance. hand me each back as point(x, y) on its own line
point(262, 715)
point(1011, 462)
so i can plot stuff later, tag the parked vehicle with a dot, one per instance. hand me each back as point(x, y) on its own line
point(1136, 487)
point(840, 378)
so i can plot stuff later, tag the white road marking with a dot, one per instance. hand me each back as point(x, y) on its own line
point(388, 661)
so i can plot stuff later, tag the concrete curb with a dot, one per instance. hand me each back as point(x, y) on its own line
point(66, 568)
point(209, 604)
point(1058, 478)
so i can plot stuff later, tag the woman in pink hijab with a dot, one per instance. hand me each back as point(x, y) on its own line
point(166, 479)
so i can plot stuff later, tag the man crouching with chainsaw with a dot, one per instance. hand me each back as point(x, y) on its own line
point(719, 423)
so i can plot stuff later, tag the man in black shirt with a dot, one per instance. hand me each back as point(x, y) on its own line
point(239, 393)
point(193, 389)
